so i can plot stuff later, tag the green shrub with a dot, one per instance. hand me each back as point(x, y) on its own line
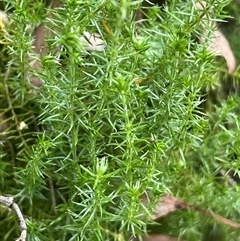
point(107, 127)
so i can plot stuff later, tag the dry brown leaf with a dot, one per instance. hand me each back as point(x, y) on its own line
point(158, 237)
point(166, 204)
point(91, 42)
point(39, 45)
point(220, 44)
point(4, 18)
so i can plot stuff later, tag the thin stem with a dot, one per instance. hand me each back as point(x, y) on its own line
point(14, 116)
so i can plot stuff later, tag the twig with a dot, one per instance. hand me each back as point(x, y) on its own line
point(14, 116)
point(9, 201)
point(108, 30)
point(168, 204)
point(53, 197)
point(219, 218)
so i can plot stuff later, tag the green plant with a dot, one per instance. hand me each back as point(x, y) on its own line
point(107, 127)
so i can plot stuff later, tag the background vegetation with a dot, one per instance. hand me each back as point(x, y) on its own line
point(155, 112)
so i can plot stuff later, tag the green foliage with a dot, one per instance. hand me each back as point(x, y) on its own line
point(107, 127)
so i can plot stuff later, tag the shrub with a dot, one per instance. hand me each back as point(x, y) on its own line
point(107, 127)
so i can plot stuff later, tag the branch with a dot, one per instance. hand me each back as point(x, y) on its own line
point(168, 204)
point(8, 201)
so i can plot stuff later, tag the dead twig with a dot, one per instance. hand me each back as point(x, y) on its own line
point(9, 201)
point(168, 204)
